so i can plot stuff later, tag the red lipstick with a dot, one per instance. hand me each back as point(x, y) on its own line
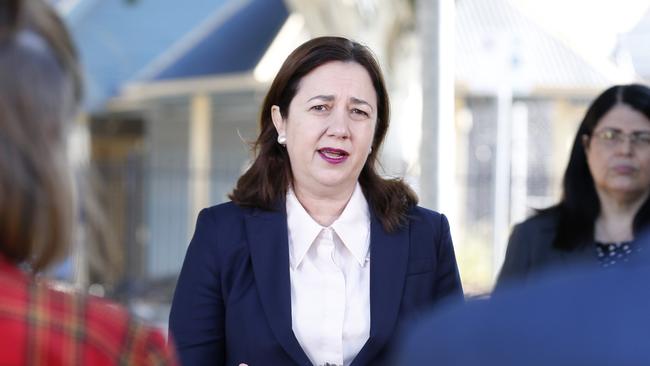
point(333, 156)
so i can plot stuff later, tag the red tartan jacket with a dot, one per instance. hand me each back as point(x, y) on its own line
point(43, 326)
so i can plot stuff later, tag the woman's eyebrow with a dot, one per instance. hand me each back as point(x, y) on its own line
point(360, 101)
point(327, 98)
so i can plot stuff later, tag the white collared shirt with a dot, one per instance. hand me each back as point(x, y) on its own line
point(330, 281)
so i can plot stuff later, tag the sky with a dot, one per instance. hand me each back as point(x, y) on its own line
point(591, 26)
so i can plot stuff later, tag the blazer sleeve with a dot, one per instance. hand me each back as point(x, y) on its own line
point(448, 284)
point(516, 263)
point(196, 321)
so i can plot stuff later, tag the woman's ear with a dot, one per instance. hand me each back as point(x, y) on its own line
point(278, 121)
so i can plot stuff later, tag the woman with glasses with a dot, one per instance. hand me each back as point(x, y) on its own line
point(605, 199)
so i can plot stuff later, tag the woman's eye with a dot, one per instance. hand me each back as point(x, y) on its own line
point(319, 108)
point(359, 112)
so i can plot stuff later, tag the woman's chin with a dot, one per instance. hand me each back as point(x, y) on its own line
point(336, 184)
point(628, 190)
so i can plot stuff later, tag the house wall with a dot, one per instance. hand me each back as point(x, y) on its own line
point(169, 217)
point(166, 186)
point(235, 126)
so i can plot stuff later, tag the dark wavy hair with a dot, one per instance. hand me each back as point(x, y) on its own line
point(580, 206)
point(265, 183)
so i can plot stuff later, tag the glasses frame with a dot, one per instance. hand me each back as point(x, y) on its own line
point(613, 137)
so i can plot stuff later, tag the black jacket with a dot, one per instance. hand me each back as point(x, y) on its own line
point(531, 252)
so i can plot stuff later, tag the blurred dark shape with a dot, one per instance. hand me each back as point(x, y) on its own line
point(579, 316)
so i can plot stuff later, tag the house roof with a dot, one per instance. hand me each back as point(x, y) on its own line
point(123, 41)
point(496, 42)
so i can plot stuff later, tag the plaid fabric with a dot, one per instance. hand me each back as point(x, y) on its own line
point(42, 326)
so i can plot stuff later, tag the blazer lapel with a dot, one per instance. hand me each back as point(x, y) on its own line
point(584, 255)
point(268, 241)
point(388, 264)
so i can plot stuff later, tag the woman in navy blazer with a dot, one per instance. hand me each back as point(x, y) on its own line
point(322, 124)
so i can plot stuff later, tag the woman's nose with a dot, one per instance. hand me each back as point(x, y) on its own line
point(625, 146)
point(339, 124)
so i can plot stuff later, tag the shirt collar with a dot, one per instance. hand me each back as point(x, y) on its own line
point(303, 229)
point(352, 227)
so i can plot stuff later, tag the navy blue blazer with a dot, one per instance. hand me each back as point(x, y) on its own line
point(232, 303)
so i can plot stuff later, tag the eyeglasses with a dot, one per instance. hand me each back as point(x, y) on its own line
point(612, 137)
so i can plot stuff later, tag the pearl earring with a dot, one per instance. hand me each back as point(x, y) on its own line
point(282, 139)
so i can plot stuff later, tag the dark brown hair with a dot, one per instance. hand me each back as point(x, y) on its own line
point(265, 183)
point(39, 92)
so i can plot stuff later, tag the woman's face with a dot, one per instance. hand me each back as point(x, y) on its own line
point(618, 153)
point(330, 127)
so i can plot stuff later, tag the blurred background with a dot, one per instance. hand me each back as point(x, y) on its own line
point(486, 97)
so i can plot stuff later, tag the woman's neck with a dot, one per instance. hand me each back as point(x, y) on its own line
point(616, 218)
point(323, 208)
